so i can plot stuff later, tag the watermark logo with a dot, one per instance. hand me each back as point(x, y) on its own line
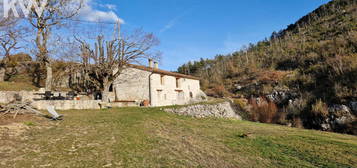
point(26, 6)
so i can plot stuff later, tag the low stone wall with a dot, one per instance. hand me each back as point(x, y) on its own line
point(124, 104)
point(67, 104)
point(220, 110)
point(79, 104)
point(83, 104)
point(9, 96)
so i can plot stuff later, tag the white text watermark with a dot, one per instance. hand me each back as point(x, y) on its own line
point(25, 6)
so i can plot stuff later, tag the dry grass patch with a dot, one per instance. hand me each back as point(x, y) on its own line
point(17, 86)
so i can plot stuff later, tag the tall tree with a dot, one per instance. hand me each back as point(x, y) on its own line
point(109, 58)
point(55, 13)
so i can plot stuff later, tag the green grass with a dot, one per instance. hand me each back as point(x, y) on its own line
point(30, 123)
point(17, 86)
point(148, 137)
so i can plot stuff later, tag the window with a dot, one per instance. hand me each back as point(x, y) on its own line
point(178, 84)
point(191, 95)
point(159, 94)
point(162, 79)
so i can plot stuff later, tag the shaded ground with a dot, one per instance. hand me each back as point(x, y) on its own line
point(141, 137)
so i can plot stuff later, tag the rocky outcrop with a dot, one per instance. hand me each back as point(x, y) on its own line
point(353, 106)
point(281, 97)
point(219, 110)
point(339, 117)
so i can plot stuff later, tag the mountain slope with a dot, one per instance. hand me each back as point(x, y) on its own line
point(315, 59)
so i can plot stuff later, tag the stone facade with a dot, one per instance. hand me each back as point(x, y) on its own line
point(131, 85)
point(160, 88)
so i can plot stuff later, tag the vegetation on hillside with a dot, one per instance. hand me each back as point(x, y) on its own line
point(148, 137)
point(17, 86)
point(315, 58)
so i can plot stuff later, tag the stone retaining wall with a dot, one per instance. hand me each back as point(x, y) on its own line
point(82, 104)
point(67, 104)
point(9, 96)
point(79, 104)
point(220, 110)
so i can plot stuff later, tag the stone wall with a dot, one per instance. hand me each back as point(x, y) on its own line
point(162, 90)
point(9, 96)
point(79, 104)
point(220, 110)
point(36, 99)
point(132, 84)
point(67, 104)
point(170, 90)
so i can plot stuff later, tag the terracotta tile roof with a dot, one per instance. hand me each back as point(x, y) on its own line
point(163, 72)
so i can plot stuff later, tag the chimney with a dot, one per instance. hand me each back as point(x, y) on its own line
point(150, 63)
point(156, 65)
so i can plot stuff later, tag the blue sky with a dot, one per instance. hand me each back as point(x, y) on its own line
point(194, 29)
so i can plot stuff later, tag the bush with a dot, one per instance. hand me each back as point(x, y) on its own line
point(263, 111)
point(320, 109)
point(18, 58)
point(297, 122)
point(281, 118)
point(296, 107)
point(241, 105)
point(268, 113)
point(217, 91)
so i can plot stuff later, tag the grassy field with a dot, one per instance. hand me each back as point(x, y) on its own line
point(16, 86)
point(148, 137)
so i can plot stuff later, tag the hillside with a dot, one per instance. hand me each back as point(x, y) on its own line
point(313, 60)
point(149, 137)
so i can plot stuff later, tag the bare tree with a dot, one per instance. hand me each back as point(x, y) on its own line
point(10, 34)
point(9, 42)
point(10, 37)
point(56, 12)
point(109, 58)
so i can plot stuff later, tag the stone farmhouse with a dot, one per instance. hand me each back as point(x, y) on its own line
point(136, 86)
point(156, 87)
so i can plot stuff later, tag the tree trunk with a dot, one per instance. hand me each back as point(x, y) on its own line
point(2, 74)
point(106, 90)
point(48, 76)
point(105, 94)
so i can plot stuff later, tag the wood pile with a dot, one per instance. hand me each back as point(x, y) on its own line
point(18, 108)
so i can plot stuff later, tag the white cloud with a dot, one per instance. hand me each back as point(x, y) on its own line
point(174, 21)
point(111, 6)
point(89, 12)
point(170, 24)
